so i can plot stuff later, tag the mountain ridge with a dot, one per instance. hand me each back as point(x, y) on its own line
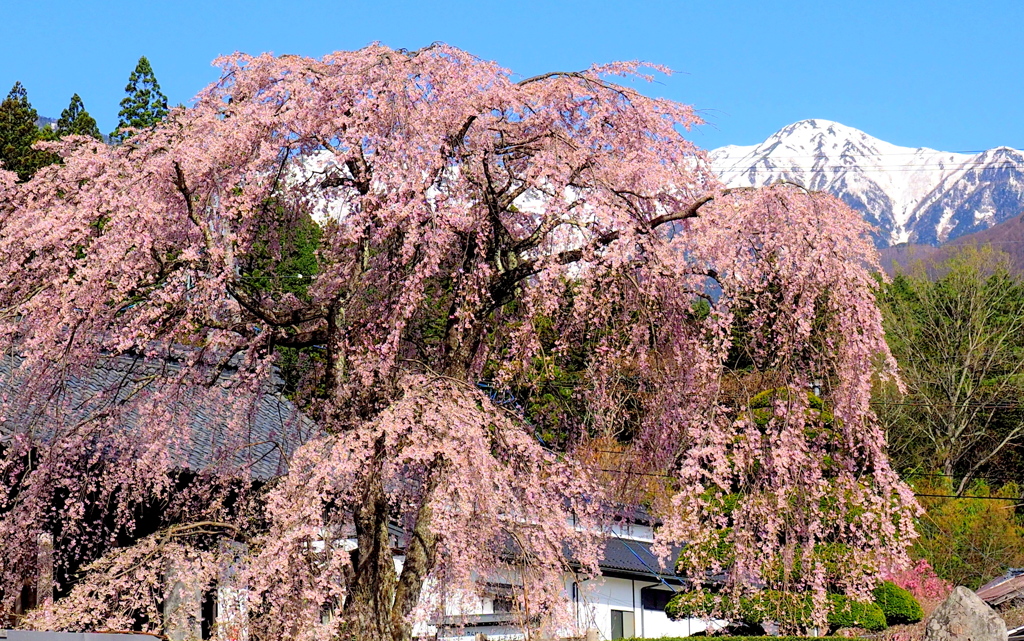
point(916, 195)
point(1006, 237)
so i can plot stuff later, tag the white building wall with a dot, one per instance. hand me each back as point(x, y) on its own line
point(633, 531)
point(655, 624)
point(595, 600)
point(592, 602)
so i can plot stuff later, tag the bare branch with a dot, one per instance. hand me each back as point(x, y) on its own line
point(276, 317)
point(182, 186)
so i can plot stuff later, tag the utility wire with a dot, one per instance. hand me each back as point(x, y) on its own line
point(954, 244)
point(644, 563)
point(912, 152)
point(938, 496)
point(979, 498)
point(907, 474)
point(966, 405)
point(951, 167)
point(981, 477)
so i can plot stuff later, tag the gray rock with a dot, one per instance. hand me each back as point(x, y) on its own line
point(963, 616)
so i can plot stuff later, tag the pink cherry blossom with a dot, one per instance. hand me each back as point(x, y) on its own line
point(460, 209)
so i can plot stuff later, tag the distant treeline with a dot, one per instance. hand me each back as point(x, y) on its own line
point(143, 106)
point(954, 320)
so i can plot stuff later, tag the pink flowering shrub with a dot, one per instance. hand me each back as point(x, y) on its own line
point(921, 581)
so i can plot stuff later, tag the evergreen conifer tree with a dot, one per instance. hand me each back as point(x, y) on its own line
point(75, 120)
point(18, 131)
point(144, 106)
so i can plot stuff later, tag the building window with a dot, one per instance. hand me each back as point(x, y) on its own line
point(502, 604)
point(622, 624)
point(655, 599)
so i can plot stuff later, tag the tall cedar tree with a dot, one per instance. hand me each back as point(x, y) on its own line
point(144, 106)
point(18, 132)
point(75, 120)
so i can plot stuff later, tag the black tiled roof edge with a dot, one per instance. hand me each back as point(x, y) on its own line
point(275, 427)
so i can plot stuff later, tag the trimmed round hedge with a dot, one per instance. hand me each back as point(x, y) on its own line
point(771, 605)
point(728, 638)
point(847, 613)
point(898, 605)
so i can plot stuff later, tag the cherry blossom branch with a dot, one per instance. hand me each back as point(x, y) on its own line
point(276, 317)
point(186, 194)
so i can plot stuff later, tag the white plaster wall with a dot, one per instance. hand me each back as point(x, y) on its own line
point(632, 531)
point(461, 603)
point(592, 605)
point(597, 598)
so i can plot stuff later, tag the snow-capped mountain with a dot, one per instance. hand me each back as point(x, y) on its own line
point(910, 195)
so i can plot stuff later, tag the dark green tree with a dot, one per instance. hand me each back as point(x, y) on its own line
point(144, 106)
point(957, 330)
point(75, 120)
point(18, 131)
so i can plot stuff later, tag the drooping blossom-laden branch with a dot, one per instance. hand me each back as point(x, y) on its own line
point(385, 230)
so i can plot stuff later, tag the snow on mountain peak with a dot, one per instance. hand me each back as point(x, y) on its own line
point(906, 193)
point(818, 126)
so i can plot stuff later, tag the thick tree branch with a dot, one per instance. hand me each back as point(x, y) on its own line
point(421, 550)
point(686, 212)
point(182, 186)
point(552, 74)
point(276, 317)
point(302, 339)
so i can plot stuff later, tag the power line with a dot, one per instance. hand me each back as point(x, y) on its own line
point(853, 161)
point(984, 406)
point(979, 477)
point(953, 244)
point(634, 473)
point(911, 152)
point(932, 155)
point(920, 495)
point(965, 498)
point(925, 404)
point(907, 474)
point(739, 169)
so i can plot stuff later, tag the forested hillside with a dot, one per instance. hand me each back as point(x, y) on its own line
point(1006, 237)
point(955, 323)
point(21, 127)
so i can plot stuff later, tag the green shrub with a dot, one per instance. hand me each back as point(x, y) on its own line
point(771, 605)
point(971, 539)
point(898, 605)
point(727, 638)
point(719, 547)
point(847, 613)
point(696, 605)
point(761, 405)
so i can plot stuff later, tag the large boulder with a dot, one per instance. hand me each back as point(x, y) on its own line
point(963, 616)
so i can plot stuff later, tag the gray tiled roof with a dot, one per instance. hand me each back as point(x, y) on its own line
point(636, 557)
point(260, 436)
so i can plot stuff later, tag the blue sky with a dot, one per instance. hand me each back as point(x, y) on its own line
point(941, 74)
